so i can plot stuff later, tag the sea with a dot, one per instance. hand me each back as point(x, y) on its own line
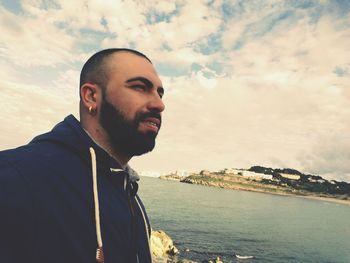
point(206, 222)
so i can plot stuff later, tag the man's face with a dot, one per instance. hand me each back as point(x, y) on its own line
point(131, 105)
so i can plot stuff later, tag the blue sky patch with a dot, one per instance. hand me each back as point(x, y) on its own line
point(229, 11)
point(302, 4)
point(13, 6)
point(103, 22)
point(48, 4)
point(96, 36)
point(154, 17)
point(212, 45)
point(341, 72)
point(166, 47)
point(268, 23)
point(171, 71)
point(195, 67)
point(342, 6)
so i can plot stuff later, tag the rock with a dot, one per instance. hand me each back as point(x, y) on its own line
point(163, 249)
point(162, 245)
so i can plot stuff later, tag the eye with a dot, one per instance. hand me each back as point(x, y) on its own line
point(161, 92)
point(139, 87)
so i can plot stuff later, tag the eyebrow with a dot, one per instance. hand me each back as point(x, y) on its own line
point(147, 82)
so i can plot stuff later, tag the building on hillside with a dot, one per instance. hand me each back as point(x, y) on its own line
point(247, 174)
point(256, 175)
point(290, 176)
point(320, 181)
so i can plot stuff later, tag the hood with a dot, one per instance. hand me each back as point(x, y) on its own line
point(72, 136)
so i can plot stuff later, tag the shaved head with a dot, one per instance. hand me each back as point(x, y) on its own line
point(96, 69)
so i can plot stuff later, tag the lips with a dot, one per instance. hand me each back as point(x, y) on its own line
point(151, 123)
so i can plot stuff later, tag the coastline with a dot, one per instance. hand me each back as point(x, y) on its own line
point(325, 199)
point(252, 186)
point(306, 196)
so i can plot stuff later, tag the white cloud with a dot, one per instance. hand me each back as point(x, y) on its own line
point(67, 83)
point(330, 155)
point(28, 110)
point(238, 124)
point(180, 34)
point(59, 37)
point(277, 100)
point(162, 6)
point(27, 41)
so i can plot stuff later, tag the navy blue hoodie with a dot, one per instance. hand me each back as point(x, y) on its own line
point(47, 204)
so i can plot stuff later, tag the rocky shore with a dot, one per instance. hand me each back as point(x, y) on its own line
point(162, 247)
point(164, 251)
point(268, 180)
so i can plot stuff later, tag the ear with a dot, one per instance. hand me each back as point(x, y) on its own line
point(89, 94)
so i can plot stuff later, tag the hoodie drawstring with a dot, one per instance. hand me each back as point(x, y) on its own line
point(132, 191)
point(99, 250)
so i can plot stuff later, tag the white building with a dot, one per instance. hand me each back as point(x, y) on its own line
point(246, 173)
point(290, 176)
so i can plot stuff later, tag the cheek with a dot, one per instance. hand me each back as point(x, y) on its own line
point(131, 112)
point(130, 105)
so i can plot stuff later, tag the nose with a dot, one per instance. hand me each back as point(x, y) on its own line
point(156, 103)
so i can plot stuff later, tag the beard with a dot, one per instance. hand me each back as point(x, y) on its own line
point(123, 134)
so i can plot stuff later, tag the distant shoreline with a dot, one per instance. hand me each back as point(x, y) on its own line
point(251, 186)
point(314, 197)
point(325, 199)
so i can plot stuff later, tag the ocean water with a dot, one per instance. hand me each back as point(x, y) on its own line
point(214, 222)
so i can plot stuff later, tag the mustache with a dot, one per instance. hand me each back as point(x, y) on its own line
point(151, 114)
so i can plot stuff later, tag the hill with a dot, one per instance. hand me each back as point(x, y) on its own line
point(284, 181)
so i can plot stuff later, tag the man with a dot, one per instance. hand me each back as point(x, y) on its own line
point(69, 195)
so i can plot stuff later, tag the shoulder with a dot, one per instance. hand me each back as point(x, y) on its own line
point(12, 161)
point(8, 161)
point(13, 188)
point(21, 166)
point(33, 158)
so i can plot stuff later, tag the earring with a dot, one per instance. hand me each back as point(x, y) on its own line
point(90, 109)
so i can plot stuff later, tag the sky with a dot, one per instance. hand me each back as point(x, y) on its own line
point(246, 82)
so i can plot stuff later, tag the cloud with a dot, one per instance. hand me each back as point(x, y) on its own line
point(28, 110)
point(275, 102)
point(331, 157)
point(237, 124)
point(247, 82)
point(68, 82)
point(180, 35)
point(27, 41)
